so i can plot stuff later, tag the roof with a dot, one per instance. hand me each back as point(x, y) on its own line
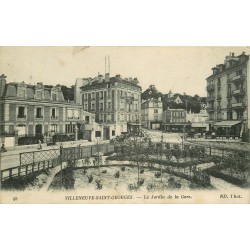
point(226, 123)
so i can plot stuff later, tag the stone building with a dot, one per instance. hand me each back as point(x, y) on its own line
point(227, 97)
point(151, 113)
point(37, 110)
point(174, 120)
point(116, 103)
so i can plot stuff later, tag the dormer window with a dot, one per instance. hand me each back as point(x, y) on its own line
point(21, 90)
point(39, 95)
point(54, 97)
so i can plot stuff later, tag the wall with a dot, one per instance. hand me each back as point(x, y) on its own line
point(9, 142)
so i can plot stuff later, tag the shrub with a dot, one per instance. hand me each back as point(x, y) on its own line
point(157, 174)
point(123, 168)
point(133, 187)
point(141, 171)
point(104, 171)
point(173, 184)
point(141, 181)
point(151, 187)
point(117, 174)
point(90, 178)
point(98, 184)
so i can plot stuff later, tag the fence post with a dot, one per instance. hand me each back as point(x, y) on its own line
point(26, 170)
point(19, 171)
point(210, 150)
point(10, 172)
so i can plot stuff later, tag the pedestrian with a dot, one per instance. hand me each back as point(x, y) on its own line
point(3, 149)
point(39, 144)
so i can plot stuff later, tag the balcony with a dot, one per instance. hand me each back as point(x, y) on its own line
point(21, 116)
point(210, 109)
point(73, 118)
point(211, 98)
point(39, 117)
point(210, 87)
point(229, 105)
point(218, 108)
point(238, 78)
point(238, 92)
point(54, 117)
point(219, 97)
point(237, 105)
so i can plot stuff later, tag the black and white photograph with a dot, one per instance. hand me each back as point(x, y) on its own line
point(124, 124)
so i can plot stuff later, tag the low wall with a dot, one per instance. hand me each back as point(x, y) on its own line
point(9, 142)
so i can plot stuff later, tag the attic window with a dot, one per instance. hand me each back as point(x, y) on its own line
point(54, 97)
point(39, 94)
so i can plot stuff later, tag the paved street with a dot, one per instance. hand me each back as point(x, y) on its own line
point(155, 135)
point(11, 157)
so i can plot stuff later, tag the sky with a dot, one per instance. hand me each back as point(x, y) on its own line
point(180, 69)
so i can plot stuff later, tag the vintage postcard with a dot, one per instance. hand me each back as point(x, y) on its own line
point(124, 125)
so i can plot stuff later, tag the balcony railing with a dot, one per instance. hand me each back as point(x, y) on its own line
point(218, 96)
point(238, 78)
point(218, 108)
point(229, 105)
point(73, 118)
point(237, 105)
point(238, 92)
point(54, 117)
point(21, 116)
point(210, 87)
point(229, 94)
point(39, 116)
point(211, 98)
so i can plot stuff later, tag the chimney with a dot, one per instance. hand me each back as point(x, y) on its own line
point(107, 77)
point(100, 78)
point(135, 81)
point(2, 84)
point(232, 54)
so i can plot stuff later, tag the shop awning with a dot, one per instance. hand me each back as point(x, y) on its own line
point(226, 123)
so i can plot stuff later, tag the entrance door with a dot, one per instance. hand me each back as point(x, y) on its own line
point(106, 135)
point(38, 130)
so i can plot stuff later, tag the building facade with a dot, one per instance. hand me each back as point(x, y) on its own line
point(151, 113)
point(198, 121)
point(116, 103)
point(227, 97)
point(36, 110)
point(174, 120)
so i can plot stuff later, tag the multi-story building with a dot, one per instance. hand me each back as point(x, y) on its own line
point(151, 113)
point(198, 121)
point(37, 110)
point(227, 97)
point(174, 120)
point(116, 103)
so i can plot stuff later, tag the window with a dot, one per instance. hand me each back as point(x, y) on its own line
point(92, 96)
point(85, 106)
point(182, 115)
point(101, 106)
point(101, 95)
point(136, 106)
point(155, 110)
point(113, 132)
point(54, 97)
point(39, 113)
point(54, 128)
point(98, 134)
point(109, 105)
point(121, 117)
point(108, 117)
point(21, 112)
point(53, 113)
point(85, 96)
point(112, 117)
point(21, 93)
point(101, 117)
point(39, 94)
point(109, 94)
point(92, 106)
point(121, 93)
point(69, 128)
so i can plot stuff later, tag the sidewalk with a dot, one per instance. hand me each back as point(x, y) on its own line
point(31, 148)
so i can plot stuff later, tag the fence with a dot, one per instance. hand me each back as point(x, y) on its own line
point(31, 162)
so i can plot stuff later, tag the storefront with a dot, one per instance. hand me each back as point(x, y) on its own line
point(229, 129)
